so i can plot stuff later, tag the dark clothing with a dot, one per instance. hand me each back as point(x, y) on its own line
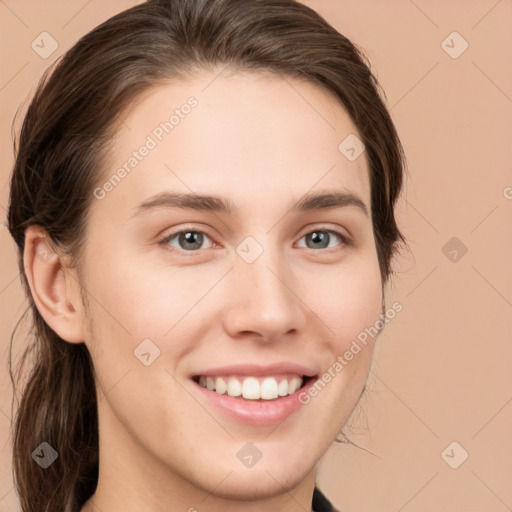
point(320, 503)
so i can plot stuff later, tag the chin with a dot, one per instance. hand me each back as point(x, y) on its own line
point(251, 485)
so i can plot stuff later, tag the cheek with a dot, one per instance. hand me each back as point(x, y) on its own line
point(137, 295)
point(133, 303)
point(348, 300)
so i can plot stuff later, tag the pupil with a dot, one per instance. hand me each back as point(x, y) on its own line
point(190, 237)
point(319, 237)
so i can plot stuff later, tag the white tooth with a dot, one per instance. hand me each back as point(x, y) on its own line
point(202, 381)
point(251, 388)
point(234, 387)
point(220, 385)
point(210, 383)
point(294, 384)
point(269, 388)
point(283, 388)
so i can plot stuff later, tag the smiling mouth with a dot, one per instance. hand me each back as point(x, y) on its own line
point(254, 388)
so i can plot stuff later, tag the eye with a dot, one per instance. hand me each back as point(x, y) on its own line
point(187, 240)
point(322, 238)
point(190, 240)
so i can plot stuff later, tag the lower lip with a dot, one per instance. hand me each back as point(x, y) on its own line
point(255, 412)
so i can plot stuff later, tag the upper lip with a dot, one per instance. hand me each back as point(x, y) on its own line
point(258, 370)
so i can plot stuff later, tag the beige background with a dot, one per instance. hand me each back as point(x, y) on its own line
point(442, 372)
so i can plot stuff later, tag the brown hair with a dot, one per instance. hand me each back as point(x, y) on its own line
point(62, 146)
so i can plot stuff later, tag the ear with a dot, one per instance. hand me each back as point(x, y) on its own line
point(55, 292)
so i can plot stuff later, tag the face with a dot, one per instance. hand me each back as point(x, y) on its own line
point(253, 290)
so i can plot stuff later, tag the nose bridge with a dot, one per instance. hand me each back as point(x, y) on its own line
point(263, 300)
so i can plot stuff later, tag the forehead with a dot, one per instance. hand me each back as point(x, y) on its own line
point(230, 133)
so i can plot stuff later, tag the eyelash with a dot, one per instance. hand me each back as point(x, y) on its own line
point(345, 241)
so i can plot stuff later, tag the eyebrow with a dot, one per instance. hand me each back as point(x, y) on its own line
point(212, 203)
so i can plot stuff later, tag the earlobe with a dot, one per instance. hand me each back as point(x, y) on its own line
point(56, 298)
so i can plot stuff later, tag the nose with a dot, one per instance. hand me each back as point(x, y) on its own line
point(265, 300)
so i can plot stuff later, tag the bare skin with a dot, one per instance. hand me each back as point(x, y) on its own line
point(255, 141)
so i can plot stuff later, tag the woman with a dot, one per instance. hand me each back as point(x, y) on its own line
point(203, 201)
